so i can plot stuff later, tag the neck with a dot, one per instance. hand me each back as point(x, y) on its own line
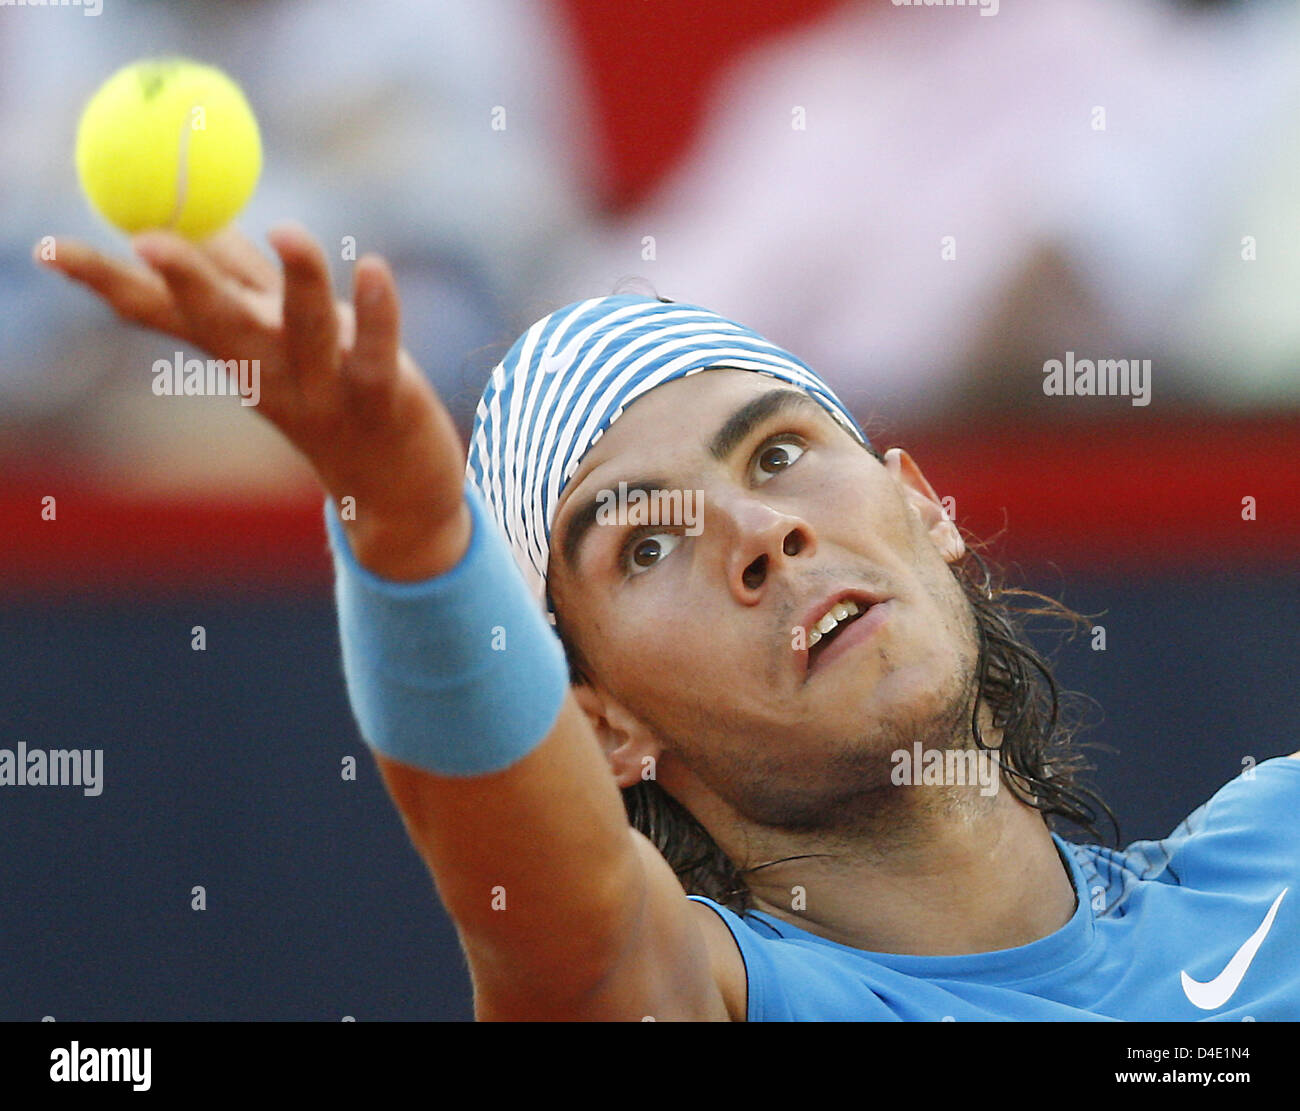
point(956, 873)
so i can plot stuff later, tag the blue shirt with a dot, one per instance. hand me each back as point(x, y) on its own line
point(1150, 918)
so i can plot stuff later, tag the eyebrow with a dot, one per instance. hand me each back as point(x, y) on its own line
point(734, 431)
point(749, 416)
point(585, 518)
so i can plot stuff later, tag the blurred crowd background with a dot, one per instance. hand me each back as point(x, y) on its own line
point(796, 164)
point(924, 203)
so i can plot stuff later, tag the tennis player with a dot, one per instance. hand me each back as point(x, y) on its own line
point(677, 569)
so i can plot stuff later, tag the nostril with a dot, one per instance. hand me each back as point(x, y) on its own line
point(755, 573)
point(793, 544)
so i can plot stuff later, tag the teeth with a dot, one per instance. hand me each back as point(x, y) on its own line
point(840, 611)
point(837, 613)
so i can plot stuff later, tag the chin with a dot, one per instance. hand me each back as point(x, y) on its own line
point(925, 704)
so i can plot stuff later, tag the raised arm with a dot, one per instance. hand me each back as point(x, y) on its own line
point(563, 910)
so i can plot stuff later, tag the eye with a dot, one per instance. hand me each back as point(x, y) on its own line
point(645, 550)
point(774, 458)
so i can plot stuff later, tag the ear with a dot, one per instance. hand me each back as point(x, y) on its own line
point(628, 745)
point(925, 504)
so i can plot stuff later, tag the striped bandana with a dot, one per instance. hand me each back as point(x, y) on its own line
point(571, 375)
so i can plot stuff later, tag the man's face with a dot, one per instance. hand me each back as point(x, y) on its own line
point(698, 643)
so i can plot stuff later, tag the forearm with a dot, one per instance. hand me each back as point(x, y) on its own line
point(535, 864)
point(461, 688)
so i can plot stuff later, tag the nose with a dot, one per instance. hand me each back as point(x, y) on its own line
point(762, 539)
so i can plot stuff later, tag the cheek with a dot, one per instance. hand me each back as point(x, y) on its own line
point(672, 667)
point(960, 635)
point(652, 639)
point(883, 520)
point(946, 633)
point(665, 634)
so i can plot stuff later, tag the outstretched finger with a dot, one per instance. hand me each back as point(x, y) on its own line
point(310, 318)
point(219, 319)
point(135, 293)
point(378, 323)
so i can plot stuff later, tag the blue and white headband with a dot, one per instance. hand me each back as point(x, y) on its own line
point(571, 375)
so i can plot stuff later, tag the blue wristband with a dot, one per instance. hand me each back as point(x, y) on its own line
point(459, 674)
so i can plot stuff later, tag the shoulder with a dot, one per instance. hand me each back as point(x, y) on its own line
point(725, 959)
point(1247, 826)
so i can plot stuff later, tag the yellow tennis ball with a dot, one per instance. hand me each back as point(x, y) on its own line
point(168, 143)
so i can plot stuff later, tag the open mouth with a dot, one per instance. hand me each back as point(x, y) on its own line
point(824, 631)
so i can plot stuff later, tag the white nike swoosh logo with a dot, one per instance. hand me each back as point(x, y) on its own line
point(1215, 993)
